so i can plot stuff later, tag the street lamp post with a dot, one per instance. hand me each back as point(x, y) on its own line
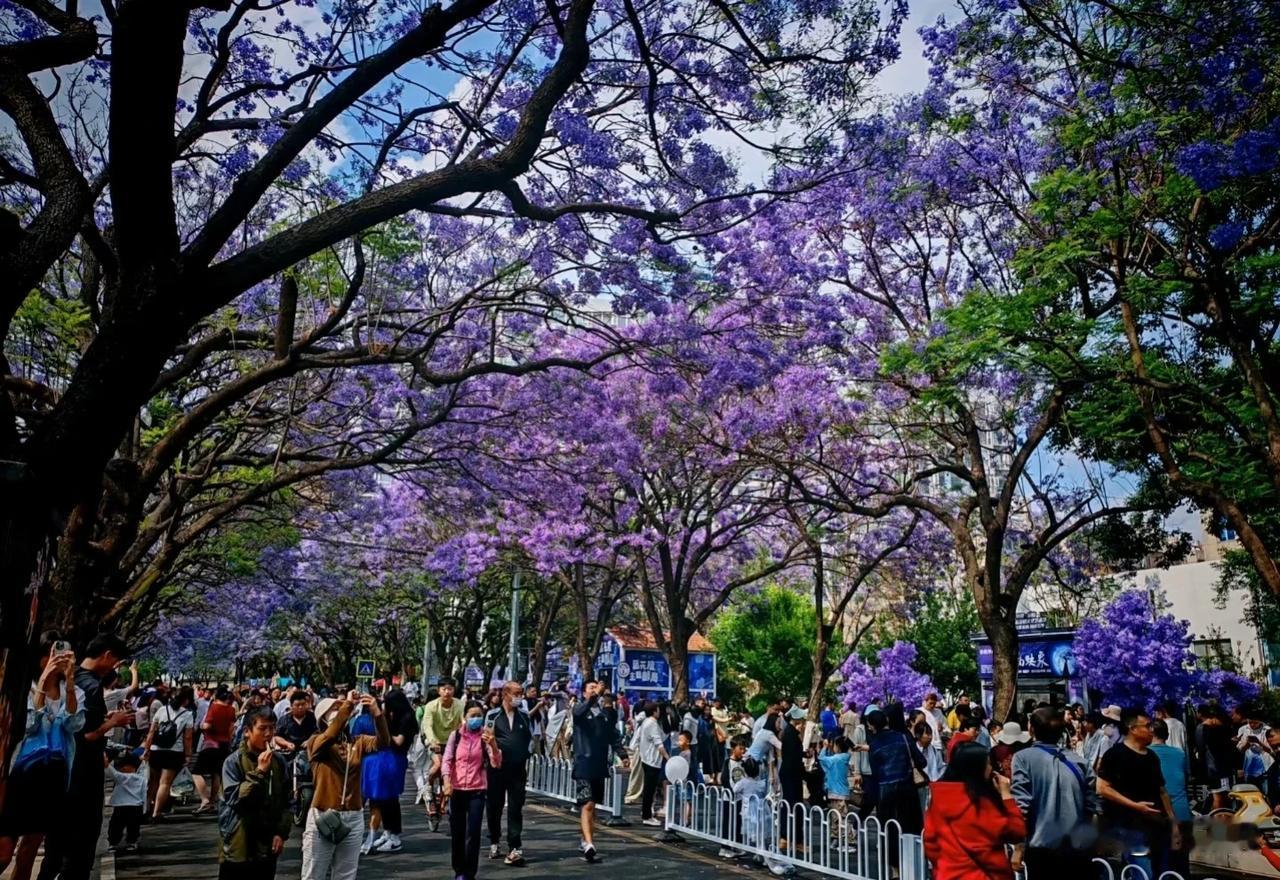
point(513, 647)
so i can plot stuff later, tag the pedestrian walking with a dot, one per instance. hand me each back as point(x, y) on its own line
point(468, 753)
point(331, 840)
point(595, 742)
point(216, 729)
point(972, 819)
point(1056, 791)
point(253, 816)
point(513, 732)
point(128, 802)
point(168, 746)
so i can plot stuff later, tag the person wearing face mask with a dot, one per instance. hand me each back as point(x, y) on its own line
point(512, 731)
point(469, 752)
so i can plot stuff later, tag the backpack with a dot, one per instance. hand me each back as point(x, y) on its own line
point(167, 733)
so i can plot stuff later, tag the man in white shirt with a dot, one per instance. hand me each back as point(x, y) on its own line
point(1168, 713)
point(936, 720)
point(652, 753)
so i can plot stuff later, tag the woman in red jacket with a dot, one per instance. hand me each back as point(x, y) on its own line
point(972, 817)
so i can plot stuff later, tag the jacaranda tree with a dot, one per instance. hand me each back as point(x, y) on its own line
point(177, 164)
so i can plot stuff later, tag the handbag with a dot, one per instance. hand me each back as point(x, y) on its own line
point(329, 824)
point(917, 775)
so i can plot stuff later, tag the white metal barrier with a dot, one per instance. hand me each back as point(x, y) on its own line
point(553, 778)
point(796, 835)
point(817, 839)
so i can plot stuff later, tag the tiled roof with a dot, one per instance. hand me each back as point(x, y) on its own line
point(641, 638)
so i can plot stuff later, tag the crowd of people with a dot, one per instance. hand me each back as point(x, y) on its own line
point(1050, 788)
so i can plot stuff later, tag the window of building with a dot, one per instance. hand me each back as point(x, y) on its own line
point(1213, 653)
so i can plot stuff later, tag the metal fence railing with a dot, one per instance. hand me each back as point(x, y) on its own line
point(553, 778)
point(824, 841)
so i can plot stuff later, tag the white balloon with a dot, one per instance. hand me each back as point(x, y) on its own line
point(677, 770)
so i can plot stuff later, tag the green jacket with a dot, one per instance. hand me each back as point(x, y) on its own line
point(254, 808)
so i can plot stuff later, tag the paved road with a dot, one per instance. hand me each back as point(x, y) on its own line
point(186, 847)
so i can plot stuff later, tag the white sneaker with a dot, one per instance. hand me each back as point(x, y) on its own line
point(495, 851)
point(726, 853)
point(367, 846)
point(391, 843)
point(652, 822)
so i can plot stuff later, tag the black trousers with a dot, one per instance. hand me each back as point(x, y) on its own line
point(70, 846)
point(466, 815)
point(1058, 863)
point(392, 820)
point(652, 777)
point(506, 783)
point(124, 823)
point(247, 870)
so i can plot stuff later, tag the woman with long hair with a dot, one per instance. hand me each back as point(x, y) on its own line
point(168, 745)
point(384, 773)
point(971, 819)
point(41, 770)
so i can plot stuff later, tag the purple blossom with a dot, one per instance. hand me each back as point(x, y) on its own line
point(893, 678)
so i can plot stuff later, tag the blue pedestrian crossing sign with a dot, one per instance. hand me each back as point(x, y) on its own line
point(364, 669)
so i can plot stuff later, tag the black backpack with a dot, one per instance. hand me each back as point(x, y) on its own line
point(167, 733)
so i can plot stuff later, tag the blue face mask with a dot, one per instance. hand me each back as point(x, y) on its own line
point(475, 723)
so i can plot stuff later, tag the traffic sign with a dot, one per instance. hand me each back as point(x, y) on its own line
point(364, 669)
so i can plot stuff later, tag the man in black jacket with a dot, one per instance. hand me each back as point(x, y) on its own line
point(595, 740)
point(511, 727)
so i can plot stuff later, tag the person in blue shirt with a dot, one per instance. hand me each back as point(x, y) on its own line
point(830, 722)
point(1174, 766)
point(834, 759)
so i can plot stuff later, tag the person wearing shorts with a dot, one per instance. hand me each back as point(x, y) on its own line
point(215, 745)
point(168, 744)
point(595, 741)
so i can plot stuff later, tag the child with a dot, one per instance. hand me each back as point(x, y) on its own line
point(834, 759)
point(684, 795)
point(757, 815)
point(128, 800)
point(730, 774)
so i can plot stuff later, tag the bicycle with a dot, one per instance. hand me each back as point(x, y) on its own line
point(437, 803)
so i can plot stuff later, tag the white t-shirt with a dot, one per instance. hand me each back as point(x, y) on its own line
point(181, 717)
point(1177, 733)
point(130, 789)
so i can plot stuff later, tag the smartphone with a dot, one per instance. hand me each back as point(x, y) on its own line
point(61, 647)
point(490, 722)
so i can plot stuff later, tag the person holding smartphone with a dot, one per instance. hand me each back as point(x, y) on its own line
point(513, 732)
point(972, 818)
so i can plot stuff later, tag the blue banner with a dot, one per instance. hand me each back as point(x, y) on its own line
point(644, 670)
point(702, 674)
point(1036, 657)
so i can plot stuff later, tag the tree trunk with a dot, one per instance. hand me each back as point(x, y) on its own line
point(538, 649)
point(678, 659)
point(1002, 630)
point(26, 553)
point(821, 669)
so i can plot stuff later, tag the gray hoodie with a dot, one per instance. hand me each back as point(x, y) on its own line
point(1056, 801)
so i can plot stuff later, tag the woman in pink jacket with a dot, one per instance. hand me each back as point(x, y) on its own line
point(471, 749)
